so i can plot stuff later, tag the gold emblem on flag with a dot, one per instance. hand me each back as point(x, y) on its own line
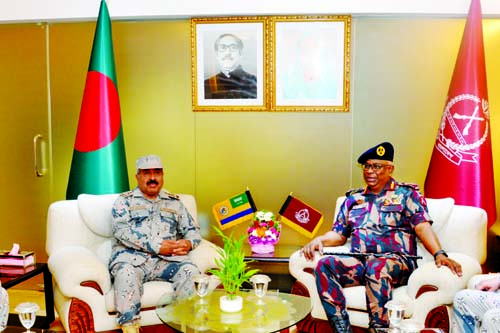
point(223, 210)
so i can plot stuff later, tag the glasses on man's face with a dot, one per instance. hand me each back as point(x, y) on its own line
point(374, 166)
point(228, 47)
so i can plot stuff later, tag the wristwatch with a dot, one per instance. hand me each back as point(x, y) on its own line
point(440, 252)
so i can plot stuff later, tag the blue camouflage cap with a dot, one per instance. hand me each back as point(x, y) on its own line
point(383, 151)
point(149, 162)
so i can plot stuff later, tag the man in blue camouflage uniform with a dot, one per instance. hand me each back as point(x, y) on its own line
point(154, 233)
point(383, 221)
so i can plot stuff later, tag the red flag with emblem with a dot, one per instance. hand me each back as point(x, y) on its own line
point(300, 216)
point(461, 165)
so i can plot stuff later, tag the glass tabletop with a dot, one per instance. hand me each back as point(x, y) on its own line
point(274, 312)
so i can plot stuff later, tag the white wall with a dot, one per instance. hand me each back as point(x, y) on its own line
point(69, 10)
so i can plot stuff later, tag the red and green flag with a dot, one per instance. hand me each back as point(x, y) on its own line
point(99, 162)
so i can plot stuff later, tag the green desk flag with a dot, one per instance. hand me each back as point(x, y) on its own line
point(99, 163)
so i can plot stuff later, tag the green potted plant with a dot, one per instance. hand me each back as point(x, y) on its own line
point(232, 270)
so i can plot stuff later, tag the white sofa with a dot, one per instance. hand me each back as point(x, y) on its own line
point(462, 231)
point(79, 240)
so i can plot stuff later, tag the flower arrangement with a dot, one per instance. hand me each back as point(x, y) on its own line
point(263, 232)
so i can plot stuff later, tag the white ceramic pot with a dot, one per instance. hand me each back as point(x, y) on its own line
point(231, 305)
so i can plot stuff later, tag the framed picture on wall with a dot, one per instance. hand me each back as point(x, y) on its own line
point(310, 63)
point(228, 67)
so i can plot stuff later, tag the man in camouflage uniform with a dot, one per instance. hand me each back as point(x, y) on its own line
point(154, 233)
point(383, 221)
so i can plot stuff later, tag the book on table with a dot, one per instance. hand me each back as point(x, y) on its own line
point(20, 259)
point(15, 270)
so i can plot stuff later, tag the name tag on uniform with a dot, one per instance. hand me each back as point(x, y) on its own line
point(168, 210)
point(137, 207)
point(391, 208)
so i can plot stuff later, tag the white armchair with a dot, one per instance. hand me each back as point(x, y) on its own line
point(79, 237)
point(462, 231)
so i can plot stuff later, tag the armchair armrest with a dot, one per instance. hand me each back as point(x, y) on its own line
point(428, 274)
point(72, 265)
point(473, 281)
point(204, 255)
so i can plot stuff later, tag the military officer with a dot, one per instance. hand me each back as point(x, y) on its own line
point(153, 233)
point(383, 220)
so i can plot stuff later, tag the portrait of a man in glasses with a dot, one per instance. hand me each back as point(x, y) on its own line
point(232, 81)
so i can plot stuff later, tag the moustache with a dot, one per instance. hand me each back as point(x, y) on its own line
point(152, 182)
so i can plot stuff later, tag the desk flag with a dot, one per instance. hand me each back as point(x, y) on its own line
point(300, 216)
point(232, 211)
point(461, 165)
point(99, 164)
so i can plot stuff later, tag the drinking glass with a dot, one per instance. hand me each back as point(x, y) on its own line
point(201, 285)
point(260, 282)
point(396, 312)
point(27, 314)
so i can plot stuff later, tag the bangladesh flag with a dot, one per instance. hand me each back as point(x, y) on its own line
point(99, 162)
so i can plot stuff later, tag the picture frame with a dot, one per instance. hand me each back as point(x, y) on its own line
point(310, 63)
point(241, 55)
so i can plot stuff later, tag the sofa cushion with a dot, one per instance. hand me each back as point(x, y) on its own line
point(95, 211)
point(440, 211)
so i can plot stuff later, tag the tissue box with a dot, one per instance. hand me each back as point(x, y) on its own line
point(22, 259)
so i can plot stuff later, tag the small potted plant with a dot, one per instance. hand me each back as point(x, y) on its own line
point(232, 270)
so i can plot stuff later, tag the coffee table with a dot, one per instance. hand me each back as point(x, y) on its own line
point(274, 312)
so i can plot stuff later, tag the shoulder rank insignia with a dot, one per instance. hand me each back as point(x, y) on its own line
point(413, 186)
point(353, 191)
point(126, 194)
point(172, 195)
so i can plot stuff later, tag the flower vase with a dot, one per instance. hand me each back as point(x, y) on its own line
point(262, 248)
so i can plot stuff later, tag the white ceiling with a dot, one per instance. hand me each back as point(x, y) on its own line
point(87, 10)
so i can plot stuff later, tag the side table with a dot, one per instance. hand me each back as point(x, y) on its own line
point(11, 281)
point(275, 265)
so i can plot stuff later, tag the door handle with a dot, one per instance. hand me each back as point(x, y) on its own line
point(39, 146)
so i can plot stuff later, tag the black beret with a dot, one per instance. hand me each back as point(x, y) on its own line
point(382, 151)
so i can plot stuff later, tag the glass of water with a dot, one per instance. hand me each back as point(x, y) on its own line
point(260, 282)
point(396, 312)
point(201, 282)
point(27, 314)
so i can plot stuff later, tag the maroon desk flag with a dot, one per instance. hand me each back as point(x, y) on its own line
point(300, 216)
point(461, 165)
point(99, 163)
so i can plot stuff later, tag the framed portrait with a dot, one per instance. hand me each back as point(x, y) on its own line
point(228, 67)
point(310, 63)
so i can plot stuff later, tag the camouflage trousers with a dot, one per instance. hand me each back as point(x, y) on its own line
point(378, 274)
point(129, 280)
